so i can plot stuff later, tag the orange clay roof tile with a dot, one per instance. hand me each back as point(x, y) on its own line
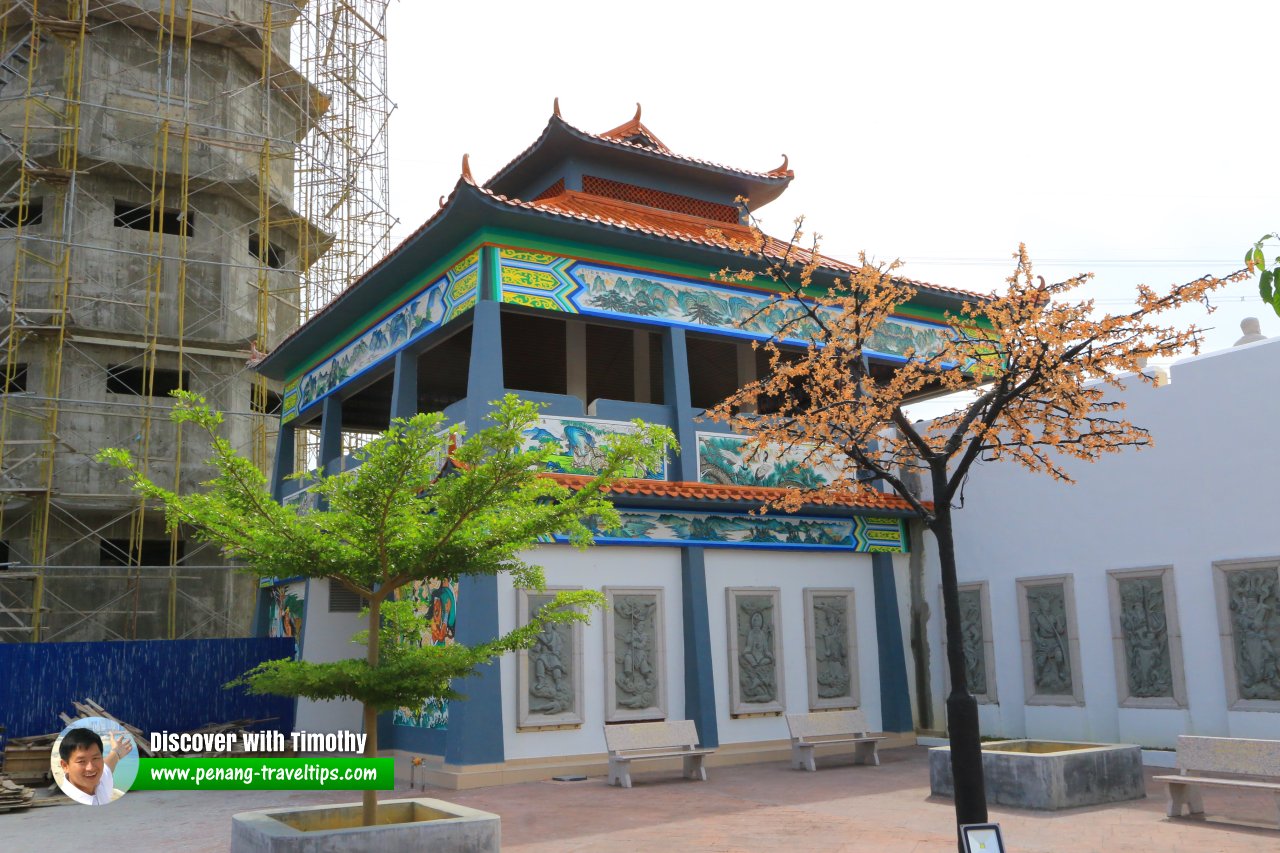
point(713, 491)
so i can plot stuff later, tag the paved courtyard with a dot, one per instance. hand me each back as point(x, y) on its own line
point(763, 807)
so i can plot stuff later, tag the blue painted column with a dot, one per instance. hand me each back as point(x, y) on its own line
point(404, 389)
point(475, 724)
point(282, 465)
point(675, 382)
point(699, 685)
point(895, 697)
point(330, 432)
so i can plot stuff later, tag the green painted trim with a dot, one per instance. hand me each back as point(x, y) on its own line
point(490, 273)
point(507, 238)
point(489, 239)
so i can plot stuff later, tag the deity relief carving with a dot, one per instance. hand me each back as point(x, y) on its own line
point(1144, 627)
point(757, 656)
point(831, 645)
point(1050, 645)
point(550, 666)
point(1253, 597)
point(549, 673)
point(973, 639)
point(635, 640)
point(752, 626)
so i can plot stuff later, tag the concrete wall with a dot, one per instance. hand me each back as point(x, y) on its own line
point(1204, 493)
point(128, 90)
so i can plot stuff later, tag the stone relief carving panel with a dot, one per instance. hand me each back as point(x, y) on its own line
point(550, 672)
point(1050, 644)
point(1050, 658)
point(973, 638)
point(1249, 612)
point(831, 648)
point(635, 654)
point(1144, 626)
point(1146, 640)
point(755, 655)
point(976, 642)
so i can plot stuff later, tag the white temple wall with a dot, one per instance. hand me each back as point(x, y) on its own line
point(594, 568)
point(1204, 493)
point(791, 571)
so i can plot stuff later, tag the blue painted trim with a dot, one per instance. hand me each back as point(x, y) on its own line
point(711, 543)
point(699, 680)
point(895, 696)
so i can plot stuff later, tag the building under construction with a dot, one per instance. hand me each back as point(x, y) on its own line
point(181, 182)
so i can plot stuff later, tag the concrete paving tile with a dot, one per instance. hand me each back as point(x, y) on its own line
point(764, 808)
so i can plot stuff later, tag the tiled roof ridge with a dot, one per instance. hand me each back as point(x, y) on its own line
point(547, 206)
point(780, 174)
point(773, 247)
point(567, 200)
point(716, 491)
point(633, 127)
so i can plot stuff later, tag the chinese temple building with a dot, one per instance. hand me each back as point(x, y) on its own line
point(583, 276)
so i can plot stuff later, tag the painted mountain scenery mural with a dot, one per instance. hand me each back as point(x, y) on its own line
point(578, 444)
point(728, 460)
point(741, 530)
point(554, 283)
point(447, 297)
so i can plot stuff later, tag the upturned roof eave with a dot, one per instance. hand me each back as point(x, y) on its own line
point(560, 141)
point(470, 208)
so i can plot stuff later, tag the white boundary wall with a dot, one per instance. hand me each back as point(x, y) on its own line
point(1206, 492)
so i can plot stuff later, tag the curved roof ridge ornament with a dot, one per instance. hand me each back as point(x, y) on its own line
point(466, 170)
point(634, 132)
point(783, 171)
point(555, 108)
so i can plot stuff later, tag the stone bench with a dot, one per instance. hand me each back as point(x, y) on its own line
point(813, 730)
point(640, 741)
point(1258, 759)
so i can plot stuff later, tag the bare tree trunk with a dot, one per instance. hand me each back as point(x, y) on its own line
point(370, 798)
point(962, 709)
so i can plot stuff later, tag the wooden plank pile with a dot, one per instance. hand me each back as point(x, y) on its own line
point(14, 796)
point(26, 759)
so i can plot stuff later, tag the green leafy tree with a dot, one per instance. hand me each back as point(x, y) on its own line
point(395, 519)
point(1268, 276)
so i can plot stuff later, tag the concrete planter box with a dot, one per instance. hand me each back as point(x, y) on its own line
point(1049, 775)
point(404, 826)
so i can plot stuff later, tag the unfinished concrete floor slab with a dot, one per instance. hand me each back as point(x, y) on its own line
point(762, 807)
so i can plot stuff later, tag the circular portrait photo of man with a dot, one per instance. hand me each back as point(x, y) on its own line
point(94, 761)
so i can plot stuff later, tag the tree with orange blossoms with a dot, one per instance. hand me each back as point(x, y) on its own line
point(1040, 370)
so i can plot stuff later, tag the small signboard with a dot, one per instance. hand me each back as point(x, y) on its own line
point(981, 838)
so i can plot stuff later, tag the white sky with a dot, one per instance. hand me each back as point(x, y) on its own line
point(1134, 140)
